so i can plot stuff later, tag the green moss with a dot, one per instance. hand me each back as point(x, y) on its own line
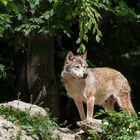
point(39, 127)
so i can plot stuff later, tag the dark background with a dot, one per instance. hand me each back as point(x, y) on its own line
point(36, 66)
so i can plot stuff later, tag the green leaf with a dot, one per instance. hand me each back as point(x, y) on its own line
point(94, 30)
point(50, 1)
point(20, 16)
point(85, 37)
point(90, 23)
point(48, 14)
point(2, 72)
point(5, 2)
point(81, 49)
point(78, 41)
point(68, 17)
point(99, 33)
point(98, 39)
point(93, 135)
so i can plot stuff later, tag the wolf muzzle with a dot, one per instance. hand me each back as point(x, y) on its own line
point(85, 75)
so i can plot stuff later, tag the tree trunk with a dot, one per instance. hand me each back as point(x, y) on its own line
point(21, 85)
point(39, 73)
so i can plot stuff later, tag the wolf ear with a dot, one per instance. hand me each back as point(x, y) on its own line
point(69, 57)
point(84, 55)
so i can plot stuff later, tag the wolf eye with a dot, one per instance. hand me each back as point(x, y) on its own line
point(84, 66)
point(77, 66)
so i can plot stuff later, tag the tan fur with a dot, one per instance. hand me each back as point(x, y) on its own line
point(94, 86)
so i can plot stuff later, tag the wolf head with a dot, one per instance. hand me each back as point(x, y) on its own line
point(75, 65)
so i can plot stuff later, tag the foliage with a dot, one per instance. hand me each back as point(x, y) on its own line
point(117, 126)
point(5, 2)
point(5, 23)
point(93, 135)
point(89, 19)
point(39, 127)
point(56, 16)
point(2, 71)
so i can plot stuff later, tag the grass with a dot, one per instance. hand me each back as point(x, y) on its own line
point(117, 126)
point(39, 127)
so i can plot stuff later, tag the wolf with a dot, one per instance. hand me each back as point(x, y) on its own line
point(95, 86)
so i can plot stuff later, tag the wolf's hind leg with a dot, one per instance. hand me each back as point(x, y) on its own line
point(79, 105)
point(109, 103)
point(125, 103)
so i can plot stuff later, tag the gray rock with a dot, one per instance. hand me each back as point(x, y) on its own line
point(67, 134)
point(95, 124)
point(9, 131)
point(30, 108)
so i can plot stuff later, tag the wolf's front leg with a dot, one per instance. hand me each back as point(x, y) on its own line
point(80, 108)
point(90, 107)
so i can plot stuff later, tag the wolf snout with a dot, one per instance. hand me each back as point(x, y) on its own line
point(85, 75)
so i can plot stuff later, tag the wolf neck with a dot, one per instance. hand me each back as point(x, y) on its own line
point(68, 78)
point(74, 86)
